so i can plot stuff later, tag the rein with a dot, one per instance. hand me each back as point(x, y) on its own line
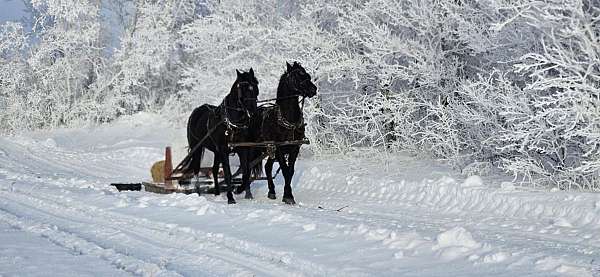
point(280, 98)
point(295, 88)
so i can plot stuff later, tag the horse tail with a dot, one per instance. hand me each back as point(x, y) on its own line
point(193, 140)
point(198, 159)
point(257, 169)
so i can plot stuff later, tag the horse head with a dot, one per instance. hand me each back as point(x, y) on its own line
point(245, 90)
point(300, 80)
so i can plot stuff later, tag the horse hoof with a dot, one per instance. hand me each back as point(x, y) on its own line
point(289, 201)
point(231, 201)
point(272, 196)
point(249, 196)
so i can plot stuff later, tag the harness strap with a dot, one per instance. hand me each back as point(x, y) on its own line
point(285, 123)
point(237, 125)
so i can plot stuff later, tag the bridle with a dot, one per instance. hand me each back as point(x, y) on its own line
point(242, 108)
point(298, 85)
point(239, 92)
point(296, 88)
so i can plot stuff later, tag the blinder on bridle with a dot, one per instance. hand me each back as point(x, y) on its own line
point(239, 91)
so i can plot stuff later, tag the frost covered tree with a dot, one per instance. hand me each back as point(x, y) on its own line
point(551, 134)
point(147, 62)
point(65, 60)
point(479, 84)
point(18, 110)
point(406, 59)
point(511, 84)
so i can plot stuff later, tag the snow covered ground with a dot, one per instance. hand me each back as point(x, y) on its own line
point(388, 216)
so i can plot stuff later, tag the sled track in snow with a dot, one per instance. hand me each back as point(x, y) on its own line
point(75, 224)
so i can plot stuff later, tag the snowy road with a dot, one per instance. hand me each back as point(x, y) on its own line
point(402, 217)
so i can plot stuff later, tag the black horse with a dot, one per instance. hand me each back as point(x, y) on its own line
point(284, 122)
point(223, 124)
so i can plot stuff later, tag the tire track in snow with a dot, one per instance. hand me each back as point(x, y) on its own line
point(124, 238)
point(265, 261)
point(82, 246)
point(141, 239)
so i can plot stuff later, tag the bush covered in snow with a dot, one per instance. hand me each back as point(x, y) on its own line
point(512, 84)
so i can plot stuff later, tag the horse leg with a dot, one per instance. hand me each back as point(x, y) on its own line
point(288, 173)
point(269, 173)
point(245, 164)
point(227, 173)
point(243, 160)
point(215, 173)
point(285, 170)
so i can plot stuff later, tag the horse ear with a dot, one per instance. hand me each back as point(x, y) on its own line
point(289, 67)
point(251, 71)
point(238, 73)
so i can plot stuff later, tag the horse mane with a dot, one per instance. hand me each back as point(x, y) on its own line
point(281, 85)
point(288, 70)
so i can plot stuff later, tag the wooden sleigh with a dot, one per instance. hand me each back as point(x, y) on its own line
point(167, 180)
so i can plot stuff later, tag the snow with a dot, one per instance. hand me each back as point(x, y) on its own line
point(473, 181)
point(496, 257)
point(456, 239)
point(26, 254)
point(412, 217)
point(309, 227)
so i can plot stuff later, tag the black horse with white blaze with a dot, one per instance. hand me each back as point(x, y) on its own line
point(224, 124)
